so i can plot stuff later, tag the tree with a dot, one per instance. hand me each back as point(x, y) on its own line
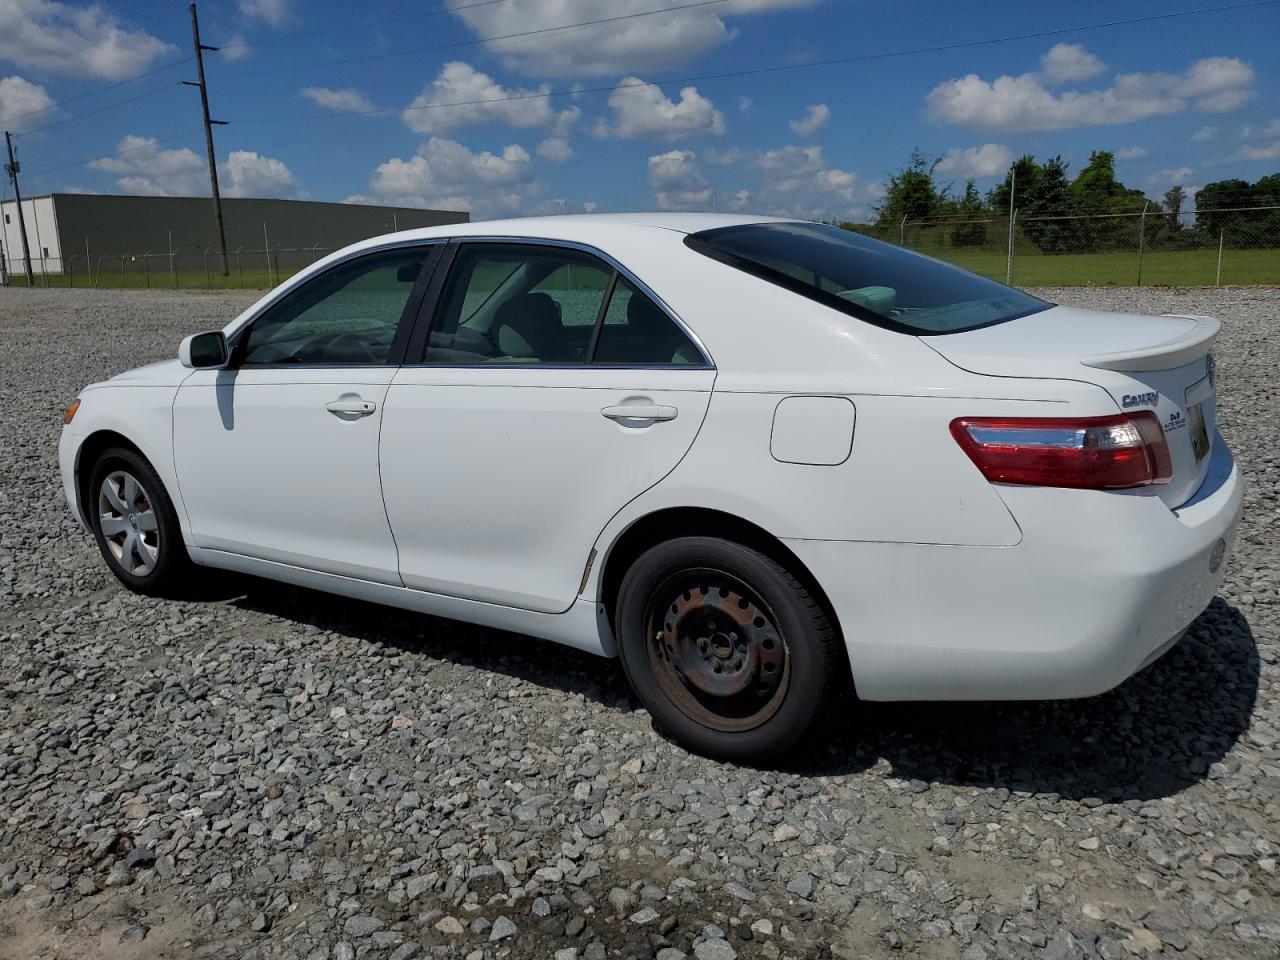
point(1173, 200)
point(970, 208)
point(1229, 208)
point(1023, 176)
point(1096, 191)
point(1049, 200)
point(912, 192)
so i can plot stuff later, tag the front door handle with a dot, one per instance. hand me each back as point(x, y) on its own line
point(351, 407)
point(639, 411)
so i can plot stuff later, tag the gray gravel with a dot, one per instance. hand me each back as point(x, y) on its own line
point(264, 772)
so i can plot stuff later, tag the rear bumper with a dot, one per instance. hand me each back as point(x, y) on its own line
point(1100, 585)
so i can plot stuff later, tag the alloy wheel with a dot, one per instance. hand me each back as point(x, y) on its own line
point(128, 522)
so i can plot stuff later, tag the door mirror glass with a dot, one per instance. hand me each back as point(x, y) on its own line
point(203, 350)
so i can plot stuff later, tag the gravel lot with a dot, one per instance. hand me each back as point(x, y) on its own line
point(267, 772)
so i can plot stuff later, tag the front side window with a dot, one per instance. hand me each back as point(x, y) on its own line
point(865, 278)
point(347, 315)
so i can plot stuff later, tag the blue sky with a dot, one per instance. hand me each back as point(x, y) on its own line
point(460, 122)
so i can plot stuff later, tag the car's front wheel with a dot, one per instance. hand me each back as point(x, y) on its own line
point(135, 523)
point(731, 654)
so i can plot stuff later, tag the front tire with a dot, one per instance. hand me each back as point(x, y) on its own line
point(730, 653)
point(135, 524)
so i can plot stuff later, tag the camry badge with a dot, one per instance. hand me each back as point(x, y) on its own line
point(1148, 399)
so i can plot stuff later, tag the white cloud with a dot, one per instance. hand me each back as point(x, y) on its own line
point(346, 100)
point(274, 12)
point(637, 44)
point(1250, 151)
point(445, 175)
point(1204, 134)
point(1131, 153)
point(678, 182)
point(249, 174)
point(63, 38)
point(988, 160)
point(1271, 152)
point(1213, 85)
point(478, 98)
point(143, 167)
point(237, 48)
point(1068, 63)
point(1167, 178)
point(24, 104)
point(814, 119)
point(745, 104)
point(643, 110)
point(555, 150)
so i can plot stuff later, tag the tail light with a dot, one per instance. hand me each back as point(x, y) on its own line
point(1093, 453)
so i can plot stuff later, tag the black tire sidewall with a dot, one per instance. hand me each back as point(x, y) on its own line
point(811, 675)
point(173, 561)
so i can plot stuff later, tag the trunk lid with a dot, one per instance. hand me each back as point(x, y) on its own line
point(1159, 363)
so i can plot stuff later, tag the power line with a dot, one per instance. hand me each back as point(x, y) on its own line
point(776, 68)
point(118, 153)
point(474, 41)
point(90, 93)
point(103, 109)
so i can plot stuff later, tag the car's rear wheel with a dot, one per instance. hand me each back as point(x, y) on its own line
point(728, 651)
point(135, 524)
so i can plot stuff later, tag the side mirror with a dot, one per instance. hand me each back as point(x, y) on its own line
point(202, 351)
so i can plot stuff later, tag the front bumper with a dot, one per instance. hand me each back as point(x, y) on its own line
point(1100, 585)
point(68, 452)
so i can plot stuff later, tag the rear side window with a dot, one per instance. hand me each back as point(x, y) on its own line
point(534, 304)
point(867, 279)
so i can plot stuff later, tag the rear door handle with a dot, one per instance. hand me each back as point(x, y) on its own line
point(639, 411)
point(351, 407)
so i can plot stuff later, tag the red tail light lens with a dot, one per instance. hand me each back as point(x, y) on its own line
point(1093, 453)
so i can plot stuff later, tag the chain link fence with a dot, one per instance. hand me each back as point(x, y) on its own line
point(1151, 248)
point(189, 269)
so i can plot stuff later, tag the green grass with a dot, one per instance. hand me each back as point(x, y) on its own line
point(1173, 268)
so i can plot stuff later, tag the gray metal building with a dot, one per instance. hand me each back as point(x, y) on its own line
point(67, 231)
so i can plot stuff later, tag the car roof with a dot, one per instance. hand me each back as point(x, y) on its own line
point(587, 226)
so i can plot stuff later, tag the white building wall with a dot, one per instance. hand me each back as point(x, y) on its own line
point(42, 236)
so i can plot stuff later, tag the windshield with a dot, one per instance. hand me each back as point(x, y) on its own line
point(874, 281)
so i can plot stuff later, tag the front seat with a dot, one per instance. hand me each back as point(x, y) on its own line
point(528, 327)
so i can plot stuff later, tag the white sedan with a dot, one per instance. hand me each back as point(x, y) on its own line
point(762, 461)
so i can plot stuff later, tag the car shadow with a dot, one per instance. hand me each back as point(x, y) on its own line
point(1156, 734)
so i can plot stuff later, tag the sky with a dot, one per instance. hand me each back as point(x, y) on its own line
point(490, 106)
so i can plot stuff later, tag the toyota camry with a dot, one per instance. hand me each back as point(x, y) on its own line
point(760, 461)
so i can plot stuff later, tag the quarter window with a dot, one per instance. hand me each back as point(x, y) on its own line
point(636, 332)
point(347, 315)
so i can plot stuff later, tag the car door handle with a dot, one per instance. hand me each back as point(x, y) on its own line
point(351, 407)
point(639, 411)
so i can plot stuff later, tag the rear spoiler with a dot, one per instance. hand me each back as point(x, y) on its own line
point(1182, 349)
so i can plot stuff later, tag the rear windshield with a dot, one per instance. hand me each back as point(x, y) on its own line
point(874, 281)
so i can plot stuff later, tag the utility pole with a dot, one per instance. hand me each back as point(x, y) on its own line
point(200, 48)
point(12, 168)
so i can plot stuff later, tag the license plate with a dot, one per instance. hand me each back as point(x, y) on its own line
point(1199, 432)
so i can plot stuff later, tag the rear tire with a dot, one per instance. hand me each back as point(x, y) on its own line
point(135, 524)
point(728, 652)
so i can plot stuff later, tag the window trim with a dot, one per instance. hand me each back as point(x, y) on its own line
point(404, 327)
point(698, 242)
point(416, 355)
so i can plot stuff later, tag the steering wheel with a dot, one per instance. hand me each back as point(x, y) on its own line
point(354, 343)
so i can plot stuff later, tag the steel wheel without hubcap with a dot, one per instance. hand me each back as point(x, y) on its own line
point(716, 651)
point(128, 522)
